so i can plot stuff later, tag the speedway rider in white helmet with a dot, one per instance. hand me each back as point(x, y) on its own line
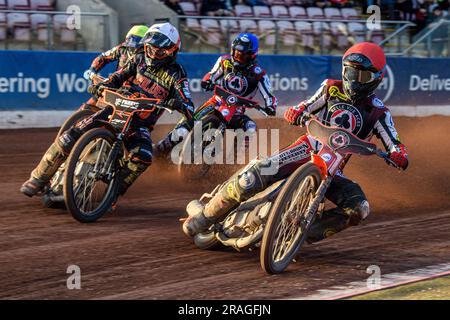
point(153, 73)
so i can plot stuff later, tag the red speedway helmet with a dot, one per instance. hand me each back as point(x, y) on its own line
point(363, 69)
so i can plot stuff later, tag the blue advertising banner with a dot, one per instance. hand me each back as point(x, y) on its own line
point(45, 80)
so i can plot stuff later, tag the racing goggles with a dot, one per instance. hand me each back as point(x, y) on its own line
point(133, 42)
point(158, 46)
point(361, 76)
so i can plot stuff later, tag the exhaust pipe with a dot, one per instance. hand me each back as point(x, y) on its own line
point(240, 243)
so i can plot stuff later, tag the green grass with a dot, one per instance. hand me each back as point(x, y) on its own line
point(436, 289)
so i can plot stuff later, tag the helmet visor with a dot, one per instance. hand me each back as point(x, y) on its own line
point(361, 76)
point(133, 41)
point(158, 46)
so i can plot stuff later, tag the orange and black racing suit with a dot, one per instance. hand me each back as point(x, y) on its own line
point(167, 82)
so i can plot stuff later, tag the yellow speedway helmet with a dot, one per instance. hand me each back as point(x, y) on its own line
point(135, 35)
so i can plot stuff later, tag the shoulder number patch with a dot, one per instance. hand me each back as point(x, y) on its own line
point(377, 103)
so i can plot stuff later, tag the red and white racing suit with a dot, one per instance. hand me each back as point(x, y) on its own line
point(244, 82)
point(332, 107)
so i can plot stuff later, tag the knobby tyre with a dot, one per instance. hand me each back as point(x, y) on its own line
point(48, 199)
point(286, 228)
point(88, 193)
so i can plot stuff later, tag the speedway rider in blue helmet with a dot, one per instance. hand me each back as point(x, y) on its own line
point(239, 73)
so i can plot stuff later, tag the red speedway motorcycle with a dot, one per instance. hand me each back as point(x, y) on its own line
point(278, 219)
point(198, 151)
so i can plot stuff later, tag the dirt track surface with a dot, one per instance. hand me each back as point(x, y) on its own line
point(139, 251)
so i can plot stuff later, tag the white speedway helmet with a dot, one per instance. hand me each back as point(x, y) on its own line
point(161, 44)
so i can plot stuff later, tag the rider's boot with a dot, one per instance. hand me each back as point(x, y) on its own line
point(201, 218)
point(329, 223)
point(129, 175)
point(165, 146)
point(32, 186)
point(240, 187)
point(337, 219)
point(45, 170)
point(197, 221)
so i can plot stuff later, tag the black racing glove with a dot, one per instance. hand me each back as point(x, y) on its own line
point(207, 85)
point(174, 104)
point(270, 110)
point(96, 90)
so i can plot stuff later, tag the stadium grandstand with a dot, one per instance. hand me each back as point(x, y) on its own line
point(283, 26)
point(20, 26)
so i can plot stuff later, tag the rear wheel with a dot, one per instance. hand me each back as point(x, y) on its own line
point(191, 164)
point(53, 197)
point(287, 227)
point(73, 119)
point(90, 180)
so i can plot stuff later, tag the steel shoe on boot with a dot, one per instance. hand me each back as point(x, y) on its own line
point(196, 222)
point(331, 222)
point(32, 187)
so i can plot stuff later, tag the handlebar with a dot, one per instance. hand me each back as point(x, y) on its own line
point(307, 117)
point(385, 156)
point(148, 102)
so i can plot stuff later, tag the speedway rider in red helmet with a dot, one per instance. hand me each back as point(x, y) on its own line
point(349, 103)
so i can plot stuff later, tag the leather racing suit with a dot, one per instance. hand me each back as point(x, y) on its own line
point(167, 82)
point(244, 82)
point(364, 118)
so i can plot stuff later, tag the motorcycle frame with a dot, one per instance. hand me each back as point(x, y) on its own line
point(117, 145)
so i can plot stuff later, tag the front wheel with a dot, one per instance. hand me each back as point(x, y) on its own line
point(90, 179)
point(287, 227)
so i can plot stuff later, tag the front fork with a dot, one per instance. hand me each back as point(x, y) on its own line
point(107, 170)
point(316, 205)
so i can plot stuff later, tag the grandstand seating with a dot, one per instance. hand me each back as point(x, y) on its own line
point(44, 5)
point(19, 25)
point(32, 28)
point(3, 26)
point(19, 4)
point(291, 31)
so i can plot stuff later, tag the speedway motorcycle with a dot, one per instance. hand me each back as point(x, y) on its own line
point(214, 120)
point(52, 196)
point(92, 173)
point(278, 219)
